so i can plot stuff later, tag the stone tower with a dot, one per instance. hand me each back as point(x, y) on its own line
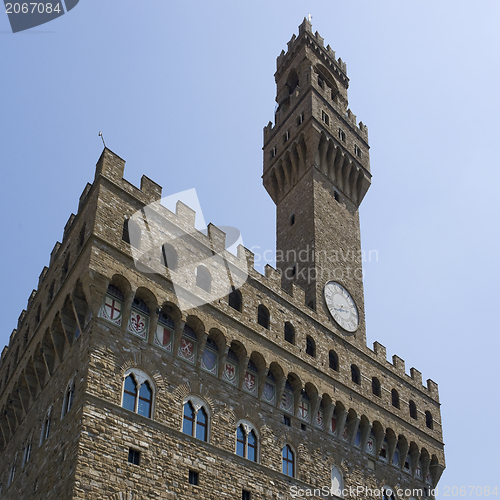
point(117, 384)
point(317, 171)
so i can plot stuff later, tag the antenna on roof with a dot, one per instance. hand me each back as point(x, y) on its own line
point(309, 17)
point(101, 136)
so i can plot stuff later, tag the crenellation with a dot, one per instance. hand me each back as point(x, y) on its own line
point(380, 350)
point(42, 275)
point(399, 364)
point(185, 215)
point(83, 196)
point(151, 189)
point(319, 39)
point(21, 318)
point(273, 276)
point(217, 238)
point(67, 227)
point(31, 298)
point(416, 376)
point(53, 254)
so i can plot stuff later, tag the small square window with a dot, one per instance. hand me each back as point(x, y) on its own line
point(194, 478)
point(286, 136)
point(245, 495)
point(325, 118)
point(273, 152)
point(292, 219)
point(341, 135)
point(321, 82)
point(300, 119)
point(286, 420)
point(357, 151)
point(134, 456)
point(303, 427)
point(336, 196)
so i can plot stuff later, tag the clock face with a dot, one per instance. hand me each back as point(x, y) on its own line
point(341, 306)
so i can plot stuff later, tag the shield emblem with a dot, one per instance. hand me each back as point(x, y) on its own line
point(269, 392)
point(370, 445)
point(287, 401)
point(230, 372)
point(250, 381)
point(345, 433)
point(319, 419)
point(209, 360)
point(187, 348)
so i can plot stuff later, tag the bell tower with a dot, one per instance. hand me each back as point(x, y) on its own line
point(317, 171)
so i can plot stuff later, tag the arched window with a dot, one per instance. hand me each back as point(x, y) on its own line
point(288, 461)
point(246, 442)
point(165, 332)
point(376, 387)
point(169, 256)
point(112, 308)
point(203, 278)
point(139, 319)
point(333, 360)
point(289, 333)
point(370, 443)
point(429, 422)
point(337, 482)
point(355, 375)
point(395, 398)
point(138, 393)
point(68, 398)
point(195, 420)
point(131, 233)
point(413, 409)
point(235, 300)
point(310, 346)
point(263, 316)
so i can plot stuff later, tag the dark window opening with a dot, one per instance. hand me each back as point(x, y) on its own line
point(194, 478)
point(321, 82)
point(273, 152)
point(355, 375)
point(235, 300)
point(131, 233)
point(357, 151)
point(134, 456)
point(303, 427)
point(289, 333)
point(376, 387)
point(336, 196)
point(245, 495)
point(333, 360)
point(263, 316)
point(395, 398)
point(341, 135)
point(310, 305)
point(413, 410)
point(325, 118)
point(169, 256)
point(300, 119)
point(428, 420)
point(286, 420)
point(310, 346)
point(292, 219)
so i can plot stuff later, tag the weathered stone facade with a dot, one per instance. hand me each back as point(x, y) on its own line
point(64, 430)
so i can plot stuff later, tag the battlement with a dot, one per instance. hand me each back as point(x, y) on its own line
point(316, 42)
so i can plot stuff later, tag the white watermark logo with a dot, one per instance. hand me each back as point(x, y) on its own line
point(203, 263)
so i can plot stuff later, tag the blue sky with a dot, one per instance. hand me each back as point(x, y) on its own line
point(182, 92)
